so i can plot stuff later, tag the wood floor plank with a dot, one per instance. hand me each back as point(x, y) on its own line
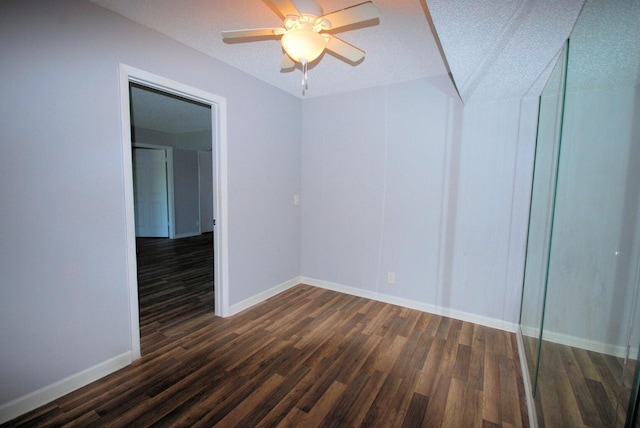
point(399, 405)
point(416, 411)
point(321, 383)
point(296, 387)
point(325, 404)
point(386, 358)
point(601, 401)
point(431, 366)
point(510, 400)
point(378, 411)
point(476, 363)
point(460, 400)
point(492, 404)
point(436, 407)
point(466, 334)
point(365, 399)
point(566, 401)
point(421, 350)
point(356, 357)
point(250, 409)
point(337, 415)
point(462, 363)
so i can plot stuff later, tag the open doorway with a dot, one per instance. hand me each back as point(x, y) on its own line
point(171, 151)
point(186, 219)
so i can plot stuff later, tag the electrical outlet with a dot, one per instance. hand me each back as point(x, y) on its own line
point(391, 277)
point(296, 199)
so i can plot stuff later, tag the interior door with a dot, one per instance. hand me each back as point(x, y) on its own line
point(150, 193)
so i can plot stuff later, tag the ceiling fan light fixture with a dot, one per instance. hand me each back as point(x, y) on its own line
point(303, 43)
point(302, 40)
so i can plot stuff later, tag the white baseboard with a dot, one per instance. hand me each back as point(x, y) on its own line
point(412, 304)
point(581, 343)
point(526, 380)
point(254, 300)
point(47, 394)
point(385, 298)
point(529, 331)
point(589, 345)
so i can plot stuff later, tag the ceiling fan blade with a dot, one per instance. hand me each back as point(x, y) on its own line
point(343, 49)
point(352, 15)
point(287, 63)
point(285, 7)
point(255, 32)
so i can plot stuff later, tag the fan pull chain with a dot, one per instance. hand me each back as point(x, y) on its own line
point(304, 75)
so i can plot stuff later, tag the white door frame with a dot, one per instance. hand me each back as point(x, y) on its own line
point(209, 224)
point(219, 152)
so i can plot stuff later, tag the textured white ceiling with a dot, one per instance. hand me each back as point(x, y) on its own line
point(499, 49)
point(495, 49)
point(400, 47)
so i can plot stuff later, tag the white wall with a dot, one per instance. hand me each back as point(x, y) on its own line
point(405, 179)
point(186, 194)
point(63, 288)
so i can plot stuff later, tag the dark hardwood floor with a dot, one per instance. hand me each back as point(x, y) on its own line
point(307, 357)
point(175, 287)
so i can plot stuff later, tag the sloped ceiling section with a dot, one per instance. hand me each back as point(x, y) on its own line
point(499, 49)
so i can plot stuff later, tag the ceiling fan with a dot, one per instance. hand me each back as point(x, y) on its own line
point(304, 36)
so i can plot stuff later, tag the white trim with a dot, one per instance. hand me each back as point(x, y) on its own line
point(526, 380)
point(412, 304)
point(260, 297)
point(219, 152)
point(220, 207)
point(47, 394)
point(130, 229)
point(209, 225)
